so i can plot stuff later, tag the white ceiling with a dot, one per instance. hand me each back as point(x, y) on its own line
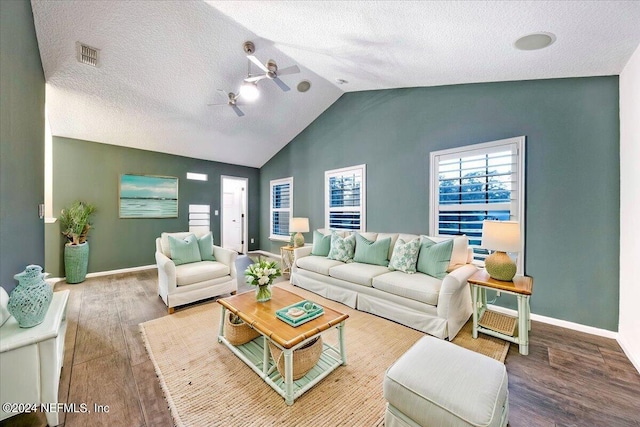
point(162, 61)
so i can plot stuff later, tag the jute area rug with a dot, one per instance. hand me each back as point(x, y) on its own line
point(207, 385)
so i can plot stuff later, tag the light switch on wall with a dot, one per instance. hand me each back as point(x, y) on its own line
point(253, 240)
point(215, 212)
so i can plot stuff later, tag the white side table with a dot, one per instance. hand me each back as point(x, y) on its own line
point(521, 287)
point(286, 257)
point(31, 360)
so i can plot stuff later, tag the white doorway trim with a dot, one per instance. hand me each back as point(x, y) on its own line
point(244, 182)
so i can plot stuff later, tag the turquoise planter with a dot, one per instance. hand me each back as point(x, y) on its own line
point(76, 260)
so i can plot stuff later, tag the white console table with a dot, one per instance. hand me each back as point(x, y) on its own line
point(31, 359)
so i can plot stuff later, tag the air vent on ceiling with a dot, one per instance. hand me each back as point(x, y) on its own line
point(87, 54)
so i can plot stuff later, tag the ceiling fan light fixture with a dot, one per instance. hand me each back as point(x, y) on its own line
point(249, 91)
point(535, 41)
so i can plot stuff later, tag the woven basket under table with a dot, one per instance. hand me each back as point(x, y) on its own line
point(303, 359)
point(238, 334)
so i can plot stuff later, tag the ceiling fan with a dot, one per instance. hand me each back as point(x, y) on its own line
point(231, 101)
point(270, 69)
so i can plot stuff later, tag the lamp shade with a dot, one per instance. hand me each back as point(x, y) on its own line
point(300, 225)
point(501, 236)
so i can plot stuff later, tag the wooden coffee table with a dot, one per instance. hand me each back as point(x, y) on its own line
point(261, 316)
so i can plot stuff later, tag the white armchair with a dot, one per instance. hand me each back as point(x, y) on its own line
point(186, 283)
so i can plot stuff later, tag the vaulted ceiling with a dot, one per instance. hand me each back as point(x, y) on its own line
point(162, 62)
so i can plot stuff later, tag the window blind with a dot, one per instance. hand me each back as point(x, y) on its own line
point(345, 201)
point(281, 204)
point(472, 184)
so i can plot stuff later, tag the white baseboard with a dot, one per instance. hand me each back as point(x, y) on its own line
point(53, 280)
point(558, 322)
point(634, 358)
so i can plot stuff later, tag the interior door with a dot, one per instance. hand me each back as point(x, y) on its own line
point(233, 214)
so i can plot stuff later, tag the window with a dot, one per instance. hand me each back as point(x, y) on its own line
point(477, 182)
point(281, 208)
point(345, 201)
point(199, 218)
point(197, 176)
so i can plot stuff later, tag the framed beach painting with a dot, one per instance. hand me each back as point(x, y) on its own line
point(147, 196)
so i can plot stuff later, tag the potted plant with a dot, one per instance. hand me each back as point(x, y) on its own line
point(75, 225)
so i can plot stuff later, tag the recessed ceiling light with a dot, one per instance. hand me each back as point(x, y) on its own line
point(304, 86)
point(535, 41)
point(341, 81)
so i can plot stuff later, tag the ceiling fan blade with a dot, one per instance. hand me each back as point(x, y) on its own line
point(255, 79)
point(282, 85)
point(258, 63)
point(237, 110)
point(289, 70)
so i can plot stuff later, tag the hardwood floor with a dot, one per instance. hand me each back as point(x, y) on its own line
point(568, 379)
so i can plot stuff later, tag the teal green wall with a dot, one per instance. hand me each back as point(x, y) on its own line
point(21, 142)
point(90, 171)
point(572, 174)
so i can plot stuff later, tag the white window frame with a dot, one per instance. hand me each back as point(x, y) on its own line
point(517, 205)
point(362, 209)
point(272, 184)
point(194, 176)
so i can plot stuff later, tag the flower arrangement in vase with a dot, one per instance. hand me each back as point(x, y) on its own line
point(262, 274)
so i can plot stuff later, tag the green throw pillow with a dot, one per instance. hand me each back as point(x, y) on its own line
point(342, 248)
point(434, 257)
point(184, 251)
point(405, 256)
point(321, 244)
point(205, 244)
point(369, 252)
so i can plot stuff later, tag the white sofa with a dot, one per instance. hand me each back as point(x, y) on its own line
point(439, 307)
point(186, 283)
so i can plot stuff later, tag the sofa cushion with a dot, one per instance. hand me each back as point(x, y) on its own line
point(329, 232)
point(184, 251)
point(188, 274)
point(459, 254)
point(317, 264)
point(372, 252)
point(164, 241)
point(393, 237)
point(419, 287)
point(358, 273)
point(405, 256)
point(321, 244)
point(205, 244)
point(342, 249)
point(434, 257)
point(367, 235)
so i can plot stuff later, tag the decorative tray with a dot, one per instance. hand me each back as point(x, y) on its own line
point(299, 313)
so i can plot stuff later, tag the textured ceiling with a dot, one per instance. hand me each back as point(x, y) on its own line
point(162, 61)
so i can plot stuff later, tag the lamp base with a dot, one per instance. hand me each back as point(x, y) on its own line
point(298, 240)
point(500, 266)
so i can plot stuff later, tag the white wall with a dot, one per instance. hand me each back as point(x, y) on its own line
point(629, 326)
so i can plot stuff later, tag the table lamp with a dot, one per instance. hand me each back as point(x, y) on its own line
point(299, 225)
point(501, 237)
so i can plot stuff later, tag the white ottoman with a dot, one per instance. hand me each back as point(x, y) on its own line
point(437, 383)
